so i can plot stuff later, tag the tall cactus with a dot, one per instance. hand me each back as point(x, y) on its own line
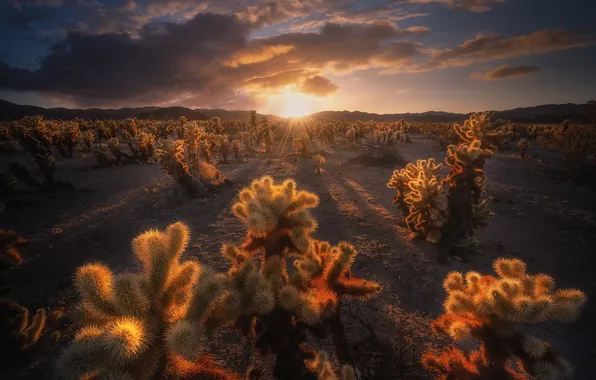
point(491, 310)
point(131, 317)
point(468, 205)
point(261, 297)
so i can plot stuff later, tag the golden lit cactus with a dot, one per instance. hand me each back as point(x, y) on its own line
point(322, 368)
point(321, 279)
point(276, 216)
point(490, 310)
point(300, 143)
point(260, 295)
point(428, 204)
point(236, 149)
point(318, 159)
point(87, 137)
point(468, 206)
point(421, 198)
point(171, 158)
point(131, 318)
point(144, 143)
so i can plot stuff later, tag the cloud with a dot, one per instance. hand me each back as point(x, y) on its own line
point(21, 4)
point(464, 5)
point(161, 64)
point(277, 80)
point(506, 72)
point(318, 86)
point(218, 65)
point(344, 48)
point(487, 47)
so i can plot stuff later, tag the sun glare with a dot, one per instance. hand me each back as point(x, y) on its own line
point(295, 104)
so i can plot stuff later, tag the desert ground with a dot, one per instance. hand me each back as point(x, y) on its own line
point(540, 218)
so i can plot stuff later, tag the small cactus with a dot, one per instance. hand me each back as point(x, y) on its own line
point(318, 160)
point(171, 158)
point(523, 145)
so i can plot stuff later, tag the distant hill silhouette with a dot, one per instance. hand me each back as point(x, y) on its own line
point(550, 113)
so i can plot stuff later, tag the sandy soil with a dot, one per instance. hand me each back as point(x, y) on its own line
point(544, 221)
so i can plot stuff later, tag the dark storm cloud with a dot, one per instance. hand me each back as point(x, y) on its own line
point(506, 72)
point(21, 4)
point(208, 58)
point(164, 62)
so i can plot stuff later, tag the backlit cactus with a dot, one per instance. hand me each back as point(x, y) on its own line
point(428, 204)
point(318, 159)
point(130, 318)
point(466, 181)
point(421, 198)
point(490, 310)
point(300, 143)
point(171, 158)
point(322, 368)
point(261, 296)
point(236, 149)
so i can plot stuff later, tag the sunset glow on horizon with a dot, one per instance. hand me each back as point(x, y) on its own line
point(381, 56)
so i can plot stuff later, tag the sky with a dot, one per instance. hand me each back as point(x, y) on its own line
point(290, 57)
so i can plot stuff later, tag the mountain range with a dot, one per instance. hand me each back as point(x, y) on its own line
point(549, 113)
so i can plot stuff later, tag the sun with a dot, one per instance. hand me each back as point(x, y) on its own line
point(295, 104)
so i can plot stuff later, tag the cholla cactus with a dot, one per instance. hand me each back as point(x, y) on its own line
point(135, 320)
point(318, 159)
point(247, 140)
point(223, 146)
point(66, 138)
point(426, 201)
point(258, 285)
point(171, 158)
point(103, 154)
point(119, 155)
point(17, 330)
point(88, 138)
point(300, 142)
point(352, 135)
point(144, 145)
point(490, 309)
point(322, 368)
point(468, 208)
point(421, 198)
point(236, 149)
point(267, 138)
point(205, 147)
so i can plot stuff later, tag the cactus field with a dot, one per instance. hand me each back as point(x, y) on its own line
point(297, 249)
